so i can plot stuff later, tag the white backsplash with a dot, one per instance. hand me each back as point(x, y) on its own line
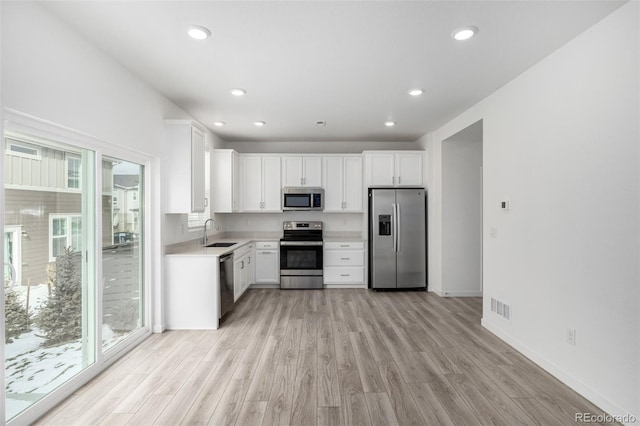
point(267, 222)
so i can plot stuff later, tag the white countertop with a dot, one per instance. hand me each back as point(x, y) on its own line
point(195, 248)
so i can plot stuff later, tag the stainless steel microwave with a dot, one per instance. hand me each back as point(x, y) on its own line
point(302, 198)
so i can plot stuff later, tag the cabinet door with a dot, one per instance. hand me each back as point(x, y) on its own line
point(352, 184)
point(251, 183)
point(272, 189)
point(267, 267)
point(250, 269)
point(409, 169)
point(224, 183)
point(235, 182)
point(238, 271)
point(292, 171)
point(333, 184)
point(312, 172)
point(381, 169)
point(197, 171)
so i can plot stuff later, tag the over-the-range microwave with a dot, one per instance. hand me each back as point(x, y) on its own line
point(302, 198)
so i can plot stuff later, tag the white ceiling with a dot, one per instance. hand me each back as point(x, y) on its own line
point(350, 63)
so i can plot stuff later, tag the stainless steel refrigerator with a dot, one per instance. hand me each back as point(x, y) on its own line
point(397, 238)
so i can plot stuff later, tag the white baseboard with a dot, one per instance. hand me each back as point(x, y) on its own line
point(460, 293)
point(573, 382)
point(158, 328)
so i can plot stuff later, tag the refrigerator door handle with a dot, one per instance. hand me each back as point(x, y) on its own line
point(398, 226)
point(394, 226)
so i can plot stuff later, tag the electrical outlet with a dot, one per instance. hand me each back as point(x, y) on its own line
point(493, 232)
point(571, 336)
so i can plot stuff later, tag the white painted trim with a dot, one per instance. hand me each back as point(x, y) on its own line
point(42, 188)
point(461, 294)
point(573, 382)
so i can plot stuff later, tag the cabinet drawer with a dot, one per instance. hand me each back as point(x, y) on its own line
point(239, 252)
point(344, 245)
point(344, 257)
point(270, 245)
point(343, 275)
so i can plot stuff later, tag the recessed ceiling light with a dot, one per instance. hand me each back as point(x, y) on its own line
point(465, 33)
point(218, 123)
point(389, 123)
point(198, 32)
point(259, 123)
point(321, 123)
point(416, 92)
point(238, 92)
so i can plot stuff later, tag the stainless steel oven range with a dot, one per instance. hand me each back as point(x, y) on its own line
point(301, 255)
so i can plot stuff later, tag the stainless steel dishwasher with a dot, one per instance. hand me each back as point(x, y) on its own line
point(226, 284)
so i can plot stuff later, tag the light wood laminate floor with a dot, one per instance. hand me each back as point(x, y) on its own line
point(328, 357)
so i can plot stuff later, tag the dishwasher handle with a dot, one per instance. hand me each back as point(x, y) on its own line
point(226, 257)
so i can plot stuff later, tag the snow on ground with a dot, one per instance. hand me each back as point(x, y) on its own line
point(32, 371)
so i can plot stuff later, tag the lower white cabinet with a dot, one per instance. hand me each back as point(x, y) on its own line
point(344, 262)
point(192, 292)
point(267, 263)
point(243, 263)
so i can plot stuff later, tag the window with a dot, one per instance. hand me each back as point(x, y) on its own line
point(74, 171)
point(22, 150)
point(64, 231)
point(114, 202)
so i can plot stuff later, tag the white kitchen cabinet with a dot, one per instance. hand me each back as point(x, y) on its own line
point(225, 170)
point(302, 171)
point(184, 171)
point(243, 264)
point(342, 183)
point(192, 292)
point(267, 263)
point(344, 263)
point(394, 168)
point(260, 189)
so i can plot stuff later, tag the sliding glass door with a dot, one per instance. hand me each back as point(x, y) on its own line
point(122, 214)
point(73, 264)
point(49, 300)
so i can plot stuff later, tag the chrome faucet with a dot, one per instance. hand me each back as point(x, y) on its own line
point(205, 237)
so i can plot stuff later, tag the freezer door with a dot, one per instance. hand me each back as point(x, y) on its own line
point(411, 241)
point(382, 237)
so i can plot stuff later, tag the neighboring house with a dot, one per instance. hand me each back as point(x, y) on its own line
point(126, 205)
point(41, 222)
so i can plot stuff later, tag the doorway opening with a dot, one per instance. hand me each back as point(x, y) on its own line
point(462, 213)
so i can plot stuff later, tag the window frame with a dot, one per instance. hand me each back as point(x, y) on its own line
point(69, 218)
point(67, 158)
point(11, 142)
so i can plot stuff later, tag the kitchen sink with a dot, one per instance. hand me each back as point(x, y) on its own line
point(221, 244)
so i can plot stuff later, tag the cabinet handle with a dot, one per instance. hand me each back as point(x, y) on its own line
point(266, 252)
point(301, 181)
point(393, 179)
point(345, 245)
point(398, 180)
point(242, 264)
point(345, 275)
point(206, 202)
point(345, 258)
point(249, 261)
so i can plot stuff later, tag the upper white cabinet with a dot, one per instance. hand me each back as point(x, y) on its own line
point(302, 171)
point(260, 188)
point(342, 183)
point(394, 168)
point(225, 171)
point(184, 170)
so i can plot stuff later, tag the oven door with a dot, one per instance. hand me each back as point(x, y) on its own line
point(301, 258)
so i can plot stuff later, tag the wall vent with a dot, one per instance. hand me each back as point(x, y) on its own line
point(501, 309)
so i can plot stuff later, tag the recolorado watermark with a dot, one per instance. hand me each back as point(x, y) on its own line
point(604, 418)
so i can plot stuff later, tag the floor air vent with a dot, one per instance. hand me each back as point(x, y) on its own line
point(501, 309)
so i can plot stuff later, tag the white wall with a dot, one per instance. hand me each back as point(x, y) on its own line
point(462, 213)
point(347, 147)
point(561, 141)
